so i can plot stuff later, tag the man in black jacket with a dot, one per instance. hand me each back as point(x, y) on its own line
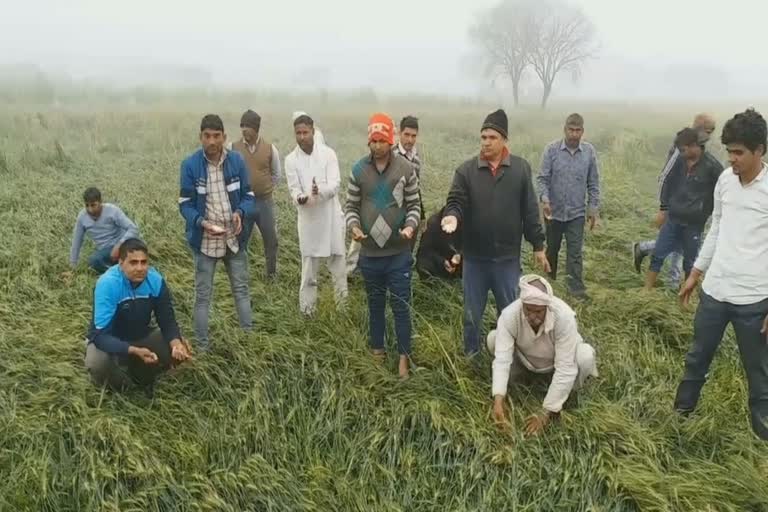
point(439, 253)
point(493, 198)
point(687, 200)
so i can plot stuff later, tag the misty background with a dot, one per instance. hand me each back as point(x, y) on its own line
point(670, 50)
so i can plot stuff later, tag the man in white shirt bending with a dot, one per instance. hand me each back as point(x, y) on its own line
point(734, 263)
point(538, 333)
point(312, 172)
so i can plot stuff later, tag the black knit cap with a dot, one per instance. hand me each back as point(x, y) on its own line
point(497, 121)
point(250, 119)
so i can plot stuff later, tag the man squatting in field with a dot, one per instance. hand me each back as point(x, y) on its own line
point(122, 348)
point(106, 225)
point(439, 253)
point(312, 172)
point(734, 263)
point(686, 202)
point(405, 148)
point(263, 162)
point(383, 214)
point(216, 202)
point(569, 190)
point(538, 334)
point(704, 123)
point(493, 197)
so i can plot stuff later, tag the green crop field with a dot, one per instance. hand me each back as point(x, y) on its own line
point(297, 416)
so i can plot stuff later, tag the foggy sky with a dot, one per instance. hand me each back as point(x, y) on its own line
point(396, 45)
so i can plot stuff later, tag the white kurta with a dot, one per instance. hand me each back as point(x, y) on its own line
point(321, 221)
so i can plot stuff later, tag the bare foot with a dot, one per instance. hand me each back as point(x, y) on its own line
point(404, 367)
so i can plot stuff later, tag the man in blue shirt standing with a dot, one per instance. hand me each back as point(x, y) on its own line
point(123, 348)
point(218, 206)
point(569, 190)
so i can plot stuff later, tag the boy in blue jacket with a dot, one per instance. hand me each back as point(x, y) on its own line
point(215, 201)
point(123, 347)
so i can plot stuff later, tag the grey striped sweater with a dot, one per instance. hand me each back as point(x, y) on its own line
point(383, 203)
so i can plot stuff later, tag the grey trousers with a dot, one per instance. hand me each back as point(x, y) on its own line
point(237, 270)
point(573, 230)
point(267, 224)
point(122, 371)
point(712, 317)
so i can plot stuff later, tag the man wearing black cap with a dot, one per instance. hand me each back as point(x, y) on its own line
point(263, 161)
point(493, 198)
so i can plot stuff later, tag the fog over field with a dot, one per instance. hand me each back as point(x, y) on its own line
point(651, 50)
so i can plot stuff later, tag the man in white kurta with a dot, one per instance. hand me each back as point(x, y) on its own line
point(538, 333)
point(312, 171)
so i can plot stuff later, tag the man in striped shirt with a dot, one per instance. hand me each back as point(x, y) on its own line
point(383, 214)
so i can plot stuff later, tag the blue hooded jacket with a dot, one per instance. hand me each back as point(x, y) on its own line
point(192, 198)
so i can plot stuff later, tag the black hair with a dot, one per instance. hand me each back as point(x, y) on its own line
point(92, 195)
point(304, 119)
point(131, 245)
point(409, 122)
point(212, 122)
point(688, 137)
point(747, 128)
point(575, 120)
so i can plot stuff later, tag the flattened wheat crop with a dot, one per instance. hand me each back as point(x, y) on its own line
point(297, 416)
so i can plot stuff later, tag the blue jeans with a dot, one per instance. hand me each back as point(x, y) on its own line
point(393, 274)
point(675, 274)
point(672, 236)
point(101, 260)
point(712, 317)
point(480, 277)
point(237, 270)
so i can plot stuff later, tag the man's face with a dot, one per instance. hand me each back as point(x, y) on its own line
point(573, 134)
point(94, 209)
point(305, 137)
point(408, 138)
point(249, 134)
point(692, 152)
point(491, 144)
point(535, 315)
point(135, 266)
point(380, 149)
point(742, 159)
point(213, 142)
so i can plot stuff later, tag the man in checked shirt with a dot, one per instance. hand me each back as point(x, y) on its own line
point(569, 190)
point(216, 200)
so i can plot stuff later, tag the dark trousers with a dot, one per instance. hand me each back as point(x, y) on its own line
point(573, 230)
point(672, 236)
point(479, 277)
point(388, 274)
point(712, 317)
point(266, 222)
point(122, 371)
point(101, 260)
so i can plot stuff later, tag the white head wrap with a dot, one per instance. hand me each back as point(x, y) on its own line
point(531, 294)
point(298, 114)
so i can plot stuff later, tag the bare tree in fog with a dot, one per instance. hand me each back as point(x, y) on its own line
point(550, 36)
point(504, 39)
point(564, 39)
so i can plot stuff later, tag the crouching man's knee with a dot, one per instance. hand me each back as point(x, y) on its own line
point(586, 360)
point(490, 342)
point(103, 369)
